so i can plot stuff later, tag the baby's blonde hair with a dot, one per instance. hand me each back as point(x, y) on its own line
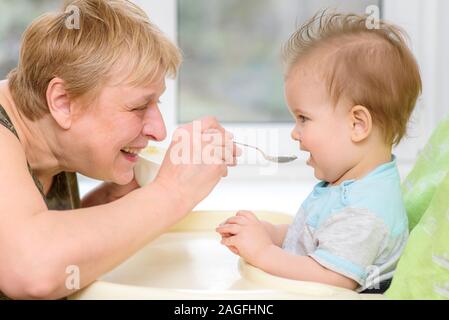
point(110, 33)
point(372, 67)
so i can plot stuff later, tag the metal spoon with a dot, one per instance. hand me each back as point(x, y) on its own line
point(279, 159)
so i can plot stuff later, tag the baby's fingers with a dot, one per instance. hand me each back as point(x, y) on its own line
point(224, 234)
point(247, 215)
point(232, 248)
point(229, 242)
point(228, 229)
point(235, 220)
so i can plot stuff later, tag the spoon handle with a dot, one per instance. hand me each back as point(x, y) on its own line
point(270, 158)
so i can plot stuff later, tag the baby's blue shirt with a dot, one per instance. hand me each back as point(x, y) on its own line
point(358, 228)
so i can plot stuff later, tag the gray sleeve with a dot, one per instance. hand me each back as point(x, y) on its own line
point(349, 242)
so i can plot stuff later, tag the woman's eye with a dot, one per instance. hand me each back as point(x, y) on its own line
point(145, 107)
point(142, 108)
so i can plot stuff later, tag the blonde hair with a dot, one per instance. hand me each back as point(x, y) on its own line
point(110, 33)
point(369, 67)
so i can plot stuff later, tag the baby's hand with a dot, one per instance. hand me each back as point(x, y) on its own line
point(227, 234)
point(245, 235)
point(238, 219)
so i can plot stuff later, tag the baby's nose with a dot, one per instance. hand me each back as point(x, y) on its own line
point(295, 135)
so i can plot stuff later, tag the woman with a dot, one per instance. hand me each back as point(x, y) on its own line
point(85, 100)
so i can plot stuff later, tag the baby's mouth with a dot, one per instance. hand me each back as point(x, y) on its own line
point(309, 161)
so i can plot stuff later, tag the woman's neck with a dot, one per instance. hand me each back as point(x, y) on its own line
point(36, 137)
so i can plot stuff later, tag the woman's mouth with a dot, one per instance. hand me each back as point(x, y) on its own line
point(131, 154)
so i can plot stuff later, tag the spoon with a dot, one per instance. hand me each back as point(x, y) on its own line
point(279, 159)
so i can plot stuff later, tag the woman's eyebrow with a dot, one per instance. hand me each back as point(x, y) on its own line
point(144, 100)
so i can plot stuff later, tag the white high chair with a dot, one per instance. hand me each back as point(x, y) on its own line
point(190, 263)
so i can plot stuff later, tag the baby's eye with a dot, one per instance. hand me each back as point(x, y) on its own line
point(302, 119)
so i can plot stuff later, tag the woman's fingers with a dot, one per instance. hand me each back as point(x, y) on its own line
point(218, 146)
point(236, 151)
point(208, 123)
point(198, 157)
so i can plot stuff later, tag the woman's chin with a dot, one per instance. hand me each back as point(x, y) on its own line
point(123, 178)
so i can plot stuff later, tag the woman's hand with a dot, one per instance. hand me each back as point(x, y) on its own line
point(196, 160)
point(107, 192)
point(245, 235)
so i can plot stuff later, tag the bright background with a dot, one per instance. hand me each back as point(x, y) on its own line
point(232, 70)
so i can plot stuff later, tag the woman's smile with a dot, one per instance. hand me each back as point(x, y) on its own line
point(132, 157)
point(131, 154)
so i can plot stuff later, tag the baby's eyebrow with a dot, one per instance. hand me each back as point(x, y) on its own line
point(299, 110)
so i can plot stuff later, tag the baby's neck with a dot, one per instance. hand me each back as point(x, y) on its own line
point(367, 164)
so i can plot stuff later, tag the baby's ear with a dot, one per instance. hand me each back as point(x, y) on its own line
point(361, 123)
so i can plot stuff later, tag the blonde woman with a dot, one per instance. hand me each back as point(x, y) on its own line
point(86, 100)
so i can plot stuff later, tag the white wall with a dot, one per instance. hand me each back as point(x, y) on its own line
point(428, 27)
point(163, 14)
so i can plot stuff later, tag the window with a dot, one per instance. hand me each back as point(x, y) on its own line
point(15, 16)
point(232, 50)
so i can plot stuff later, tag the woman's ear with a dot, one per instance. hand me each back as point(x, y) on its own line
point(59, 103)
point(361, 122)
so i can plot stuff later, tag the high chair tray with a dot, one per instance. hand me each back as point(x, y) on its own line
point(188, 262)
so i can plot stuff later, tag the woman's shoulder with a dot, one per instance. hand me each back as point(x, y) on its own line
point(13, 162)
point(63, 193)
point(4, 93)
point(17, 188)
point(5, 107)
point(8, 138)
point(17, 180)
point(8, 135)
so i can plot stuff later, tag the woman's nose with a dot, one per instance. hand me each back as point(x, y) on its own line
point(153, 125)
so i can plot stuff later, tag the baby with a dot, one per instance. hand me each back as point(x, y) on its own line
point(351, 90)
